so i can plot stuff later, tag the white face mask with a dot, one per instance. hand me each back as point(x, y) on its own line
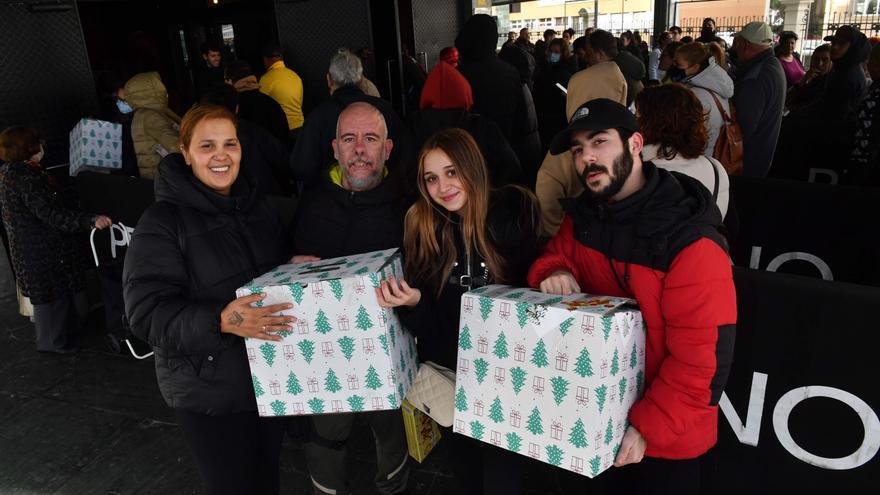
point(38, 157)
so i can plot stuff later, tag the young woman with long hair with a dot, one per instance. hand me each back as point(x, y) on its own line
point(461, 235)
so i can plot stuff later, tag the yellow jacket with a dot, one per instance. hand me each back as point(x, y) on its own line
point(285, 87)
point(557, 177)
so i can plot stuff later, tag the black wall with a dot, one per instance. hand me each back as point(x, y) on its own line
point(311, 31)
point(46, 82)
point(436, 23)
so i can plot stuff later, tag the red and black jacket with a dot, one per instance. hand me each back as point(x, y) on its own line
point(661, 246)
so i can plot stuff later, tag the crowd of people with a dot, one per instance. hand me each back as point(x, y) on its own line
point(574, 164)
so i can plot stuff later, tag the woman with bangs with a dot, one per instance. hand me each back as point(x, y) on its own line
point(461, 235)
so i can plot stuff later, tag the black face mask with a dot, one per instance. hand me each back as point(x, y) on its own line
point(622, 167)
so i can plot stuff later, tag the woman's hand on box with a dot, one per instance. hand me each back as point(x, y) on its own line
point(395, 292)
point(302, 258)
point(632, 448)
point(102, 222)
point(239, 318)
point(561, 283)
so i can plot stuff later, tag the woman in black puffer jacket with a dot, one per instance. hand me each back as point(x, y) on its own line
point(208, 234)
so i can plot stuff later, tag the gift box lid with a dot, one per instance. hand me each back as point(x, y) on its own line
point(578, 302)
point(328, 269)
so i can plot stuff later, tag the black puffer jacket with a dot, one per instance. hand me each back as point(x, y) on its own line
point(190, 251)
point(46, 233)
point(495, 83)
point(332, 221)
point(513, 230)
point(526, 140)
point(847, 84)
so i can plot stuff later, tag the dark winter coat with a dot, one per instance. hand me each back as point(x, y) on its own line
point(661, 246)
point(847, 84)
point(262, 110)
point(332, 221)
point(191, 251)
point(513, 231)
point(759, 98)
point(46, 240)
point(550, 100)
point(313, 151)
point(263, 158)
point(634, 71)
point(495, 83)
point(526, 140)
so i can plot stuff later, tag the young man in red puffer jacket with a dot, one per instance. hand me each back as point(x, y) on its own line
point(643, 232)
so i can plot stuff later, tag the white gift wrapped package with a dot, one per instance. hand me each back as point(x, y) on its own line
point(549, 377)
point(95, 145)
point(345, 353)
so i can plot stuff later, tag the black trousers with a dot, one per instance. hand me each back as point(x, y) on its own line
point(55, 321)
point(652, 476)
point(235, 453)
point(481, 468)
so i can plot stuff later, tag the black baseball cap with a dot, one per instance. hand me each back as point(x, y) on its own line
point(594, 115)
point(843, 33)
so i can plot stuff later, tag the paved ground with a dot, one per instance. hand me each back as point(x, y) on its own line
point(94, 423)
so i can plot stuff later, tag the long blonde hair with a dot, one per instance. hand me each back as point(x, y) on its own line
point(429, 239)
point(699, 53)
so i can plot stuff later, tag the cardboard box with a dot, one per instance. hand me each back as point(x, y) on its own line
point(345, 353)
point(95, 145)
point(422, 432)
point(548, 377)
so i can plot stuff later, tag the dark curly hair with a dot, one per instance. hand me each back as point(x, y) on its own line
point(672, 117)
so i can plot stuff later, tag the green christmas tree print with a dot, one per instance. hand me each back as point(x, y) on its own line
point(621, 386)
point(268, 351)
point(284, 333)
point(578, 435)
point(554, 455)
point(566, 325)
point(393, 333)
point(583, 366)
point(522, 313)
point(477, 430)
point(384, 341)
point(614, 451)
point(257, 290)
point(615, 363)
point(363, 321)
point(258, 387)
point(496, 413)
point(534, 423)
point(609, 432)
point(515, 295)
point(500, 347)
point(552, 301)
point(464, 339)
point(278, 407)
point(633, 359)
point(356, 403)
point(481, 366)
point(374, 280)
point(316, 405)
point(285, 280)
point(322, 324)
point(606, 327)
point(480, 290)
point(400, 388)
point(331, 382)
point(373, 381)
point(485, 307)
point(514, 442)
point(362, 270)
point(336, 288)
point(539, 355)
point(293, 386)
point(392, 401)
point(296, 291)
point(346, 344)
point(307, 349)
point(560, 388)
point(517, 378)
point(600, 397)
point(640, 378)
point(461, 400)
point(595, 464)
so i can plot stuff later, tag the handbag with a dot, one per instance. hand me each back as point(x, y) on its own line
point(729, 146)
point(433, 392)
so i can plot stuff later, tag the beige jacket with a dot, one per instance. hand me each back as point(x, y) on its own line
point(557, 177)
point(154, 124)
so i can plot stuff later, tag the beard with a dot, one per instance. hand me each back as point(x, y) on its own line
point(622, 168)
point(362, 183)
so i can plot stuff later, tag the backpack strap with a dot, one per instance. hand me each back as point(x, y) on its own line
point(715, 172)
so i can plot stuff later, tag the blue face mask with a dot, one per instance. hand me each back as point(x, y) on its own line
point(554, 58)
point(123, 107)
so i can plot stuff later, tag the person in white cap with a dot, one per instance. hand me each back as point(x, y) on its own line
point(758, 95)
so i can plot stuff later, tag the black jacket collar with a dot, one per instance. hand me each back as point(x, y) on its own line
point(176, 184)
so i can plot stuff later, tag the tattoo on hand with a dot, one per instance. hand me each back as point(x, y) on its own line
point(236, 319)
